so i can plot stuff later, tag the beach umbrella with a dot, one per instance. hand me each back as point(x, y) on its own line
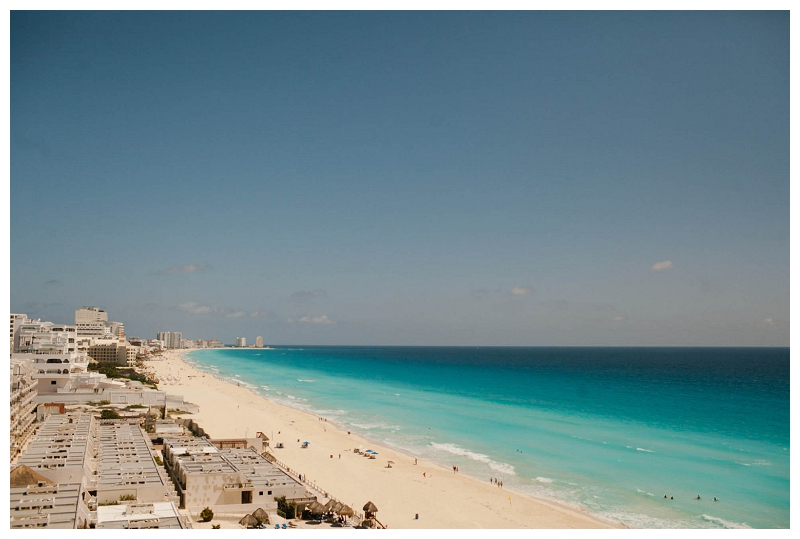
point(248, 521)
point(369, 506)
point(336, 507)
point(261, 516)
point(330, 504)
point(346, 511)
point(374, 452)
point(316, 508)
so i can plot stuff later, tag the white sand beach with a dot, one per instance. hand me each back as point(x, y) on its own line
point(441, 498)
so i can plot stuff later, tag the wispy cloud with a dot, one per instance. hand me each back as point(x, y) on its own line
point(316, 320)
point(521, 290)
point(195, 308)
point(52, 282)
point(309, 295)
point(191, 268)
point(618, 318)
point(769, 322)
point(235, 314)
point(262, 314)
point(662, 266)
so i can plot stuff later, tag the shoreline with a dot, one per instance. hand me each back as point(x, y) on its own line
point(442, 499)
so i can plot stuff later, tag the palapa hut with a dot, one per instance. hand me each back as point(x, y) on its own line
point(346, 511)
point(329, 506)
point(249, 521)
point(316, 508)
point(261, 516)
point(336, 507)
point(22, 476)
point(370, 510)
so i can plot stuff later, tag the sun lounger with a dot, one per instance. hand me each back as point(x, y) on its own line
point(283, 526)
point(277, 526)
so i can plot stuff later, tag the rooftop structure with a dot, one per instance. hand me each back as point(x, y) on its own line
point(126, 465)
point(63, 448)
point(259, 342)
point(159, 515)
point(42, 505)
point(236, 478)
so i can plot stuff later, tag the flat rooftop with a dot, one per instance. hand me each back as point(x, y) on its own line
point(53, 506)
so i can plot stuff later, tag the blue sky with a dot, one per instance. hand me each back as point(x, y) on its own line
point(535, 178)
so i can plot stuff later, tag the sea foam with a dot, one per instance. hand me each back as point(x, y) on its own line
point(501, 467)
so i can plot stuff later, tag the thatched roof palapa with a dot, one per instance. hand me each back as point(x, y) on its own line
point(346, 511)
point(248, 521)
point(369, 506)
point(316, 508)
point(22, 476)
point(261, 516)
point(330, 504)
point(336, 507)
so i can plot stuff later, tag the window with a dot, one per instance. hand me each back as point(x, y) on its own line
point(269, 492)
point(260, 492)
point(53, 382)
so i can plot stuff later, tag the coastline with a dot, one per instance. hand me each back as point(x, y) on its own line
point(441, 498)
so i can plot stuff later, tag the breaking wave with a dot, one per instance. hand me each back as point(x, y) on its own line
point(501, 467)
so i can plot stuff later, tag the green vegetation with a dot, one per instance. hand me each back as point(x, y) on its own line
point(127, 498)
point(112, 371)
point(109, 414)
point(159, 461)
point(108, 503)
point(286, 509)
point(215, 526)
point(206, 514)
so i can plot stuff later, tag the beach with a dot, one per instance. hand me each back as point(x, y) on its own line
point(441, 498)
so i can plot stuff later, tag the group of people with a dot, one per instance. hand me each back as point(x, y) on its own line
point(696, 498)
point(497, 482)
point(455, 469)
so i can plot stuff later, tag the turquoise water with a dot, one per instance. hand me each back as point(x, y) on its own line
point(609, 429)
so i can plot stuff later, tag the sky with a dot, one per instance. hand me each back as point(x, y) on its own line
point(405, 178)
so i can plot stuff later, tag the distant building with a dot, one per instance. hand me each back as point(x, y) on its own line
point(91, 322)
point(172, 339)
point(214, 343)
point(259, 342)
point(112, 351)
point(241, 342)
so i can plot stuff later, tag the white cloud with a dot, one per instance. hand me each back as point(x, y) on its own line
point(662, 266)
point(236, 314)
point(521, 290)
point(194, 308)
point(769, 322)
point(191, 268)
point(318, 320)
point(618, 318)
point(260, 314)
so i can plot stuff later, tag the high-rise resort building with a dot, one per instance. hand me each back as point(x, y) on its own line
point(171, 339)
point(91, 321)
point(259, 342)
point(241, 342)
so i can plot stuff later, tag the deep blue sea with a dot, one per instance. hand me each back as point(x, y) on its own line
point(610, 429)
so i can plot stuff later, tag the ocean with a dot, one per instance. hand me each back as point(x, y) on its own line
point(612, 430)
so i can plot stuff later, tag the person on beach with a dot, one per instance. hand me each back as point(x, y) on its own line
point(698, 497)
